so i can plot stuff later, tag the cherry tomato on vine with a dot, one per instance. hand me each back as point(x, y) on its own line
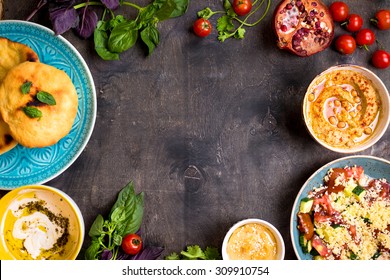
point(132, 244)
point(345, 44)
point(242, 7)
point(382, 19)
point(202, 27)
point(354, 23)
point(339, 11)
point(380, 59)
point(365, 37)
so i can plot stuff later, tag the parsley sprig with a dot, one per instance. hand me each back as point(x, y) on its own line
point(229, 25)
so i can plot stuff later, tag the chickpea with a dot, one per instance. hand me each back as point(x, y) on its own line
point(357, 99)
point(341, 125)
point(359, 107)
point(368, 130)
point(337, 103)
point(354, 93)
point(311, 97)
point(332, 120)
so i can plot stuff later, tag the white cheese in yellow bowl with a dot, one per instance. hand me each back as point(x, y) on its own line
point(40, 222)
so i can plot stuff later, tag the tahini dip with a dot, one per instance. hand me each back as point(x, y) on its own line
point(252, 241)
point(344, 107)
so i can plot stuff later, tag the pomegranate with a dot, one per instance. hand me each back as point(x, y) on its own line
point(304, 27)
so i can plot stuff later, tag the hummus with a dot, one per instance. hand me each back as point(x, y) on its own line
point(252, 242)
point(343, 108)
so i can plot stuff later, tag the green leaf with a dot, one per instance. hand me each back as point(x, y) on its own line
point(92, 251)
point(212, 253)
point(32, 112)
point(126, 197)
point(97, 227)
point(193, 253)
point(117, 239)
point(119, 215)
point(100, 37)
point(115, 21)
point(123, 36)
point(205, 13)
point(173, 257)
point(225, 23)
point(229, 9)
point(222, 36)
point(240, 33)
point(133, 220)
point(151, 37)
point(147, 14)
point(25, 88)
point(180, 9)
point(164, 8)
point(46, 98)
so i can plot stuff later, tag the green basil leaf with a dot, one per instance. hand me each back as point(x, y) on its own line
point(181, 8)
point(147, 13)
point(97, 227)
point(25, 88)
point(133, 223)
point(151, 37)
point(164, 8)
point(126, 198)
point(117, 239)
point(115, 21)
point(119, 215)
point(100, 37)
point(123, 36)
point(92, 251)
point(46, 98)
point(32, 112)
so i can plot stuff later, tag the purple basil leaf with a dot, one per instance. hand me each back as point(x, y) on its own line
point(87, 23)
point(106, 255)
point(111, 4)
point(148, 253)
point(63, 18)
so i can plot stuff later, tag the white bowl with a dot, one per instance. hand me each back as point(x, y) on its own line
point(40, 222)
point(270, 229)
point(382, 120)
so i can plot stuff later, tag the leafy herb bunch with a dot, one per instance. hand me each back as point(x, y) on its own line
point(231, 25)
point(113, 33)
point(124, 218)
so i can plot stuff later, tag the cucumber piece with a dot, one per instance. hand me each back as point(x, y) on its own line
point(305, 244)
point(306, 205)
point(359, 191)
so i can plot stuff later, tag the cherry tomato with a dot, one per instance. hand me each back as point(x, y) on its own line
point(365, 37)
point(381, 59)
point(353, 23)
point(132, 244)
point(382, 19)
point(242, 7)
point(202, 27)
point(339, 11)
point(345, 44)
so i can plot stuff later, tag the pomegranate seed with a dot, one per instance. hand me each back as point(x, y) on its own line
point(283, 28)
point(314, 4)
point(289, 6)
point(299, 3)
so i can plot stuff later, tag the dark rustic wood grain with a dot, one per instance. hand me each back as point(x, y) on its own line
point(211, 132)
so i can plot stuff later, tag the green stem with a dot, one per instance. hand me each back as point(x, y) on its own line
point(132, 5)
point(81, 5)
point(244, 23)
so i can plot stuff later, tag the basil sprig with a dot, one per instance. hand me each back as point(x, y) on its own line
point(25, 88)
point(46, 98)
point(32, 112)
point(125, 217)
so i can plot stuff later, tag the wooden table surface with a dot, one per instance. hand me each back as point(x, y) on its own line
point(211, 132)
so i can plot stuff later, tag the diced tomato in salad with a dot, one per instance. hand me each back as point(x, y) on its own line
point(320, 246)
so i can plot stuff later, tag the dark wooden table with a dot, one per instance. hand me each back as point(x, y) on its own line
point(211, 132)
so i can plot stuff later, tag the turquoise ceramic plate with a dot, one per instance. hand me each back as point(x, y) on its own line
point(23, 166)
point(373, 167)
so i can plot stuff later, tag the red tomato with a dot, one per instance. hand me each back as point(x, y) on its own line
point(202, 27)
point(365, 37)
point(242, 7)
point(382, 19)
point(320, 246)
point(381, 59)
point(345, 44)
point(339, 11)
point(306, 225)
point(132, 244)
point(332, 180)
point(353, 23)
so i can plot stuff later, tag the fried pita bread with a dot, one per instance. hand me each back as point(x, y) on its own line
point(11, 54)
point(19, 106)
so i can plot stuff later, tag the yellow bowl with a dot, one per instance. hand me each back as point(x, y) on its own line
point(253, 239)
point(346, 108)
point(40, 222)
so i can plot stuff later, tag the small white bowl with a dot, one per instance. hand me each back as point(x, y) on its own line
point(382, 121)
point(32, 214)
point(270, 229)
